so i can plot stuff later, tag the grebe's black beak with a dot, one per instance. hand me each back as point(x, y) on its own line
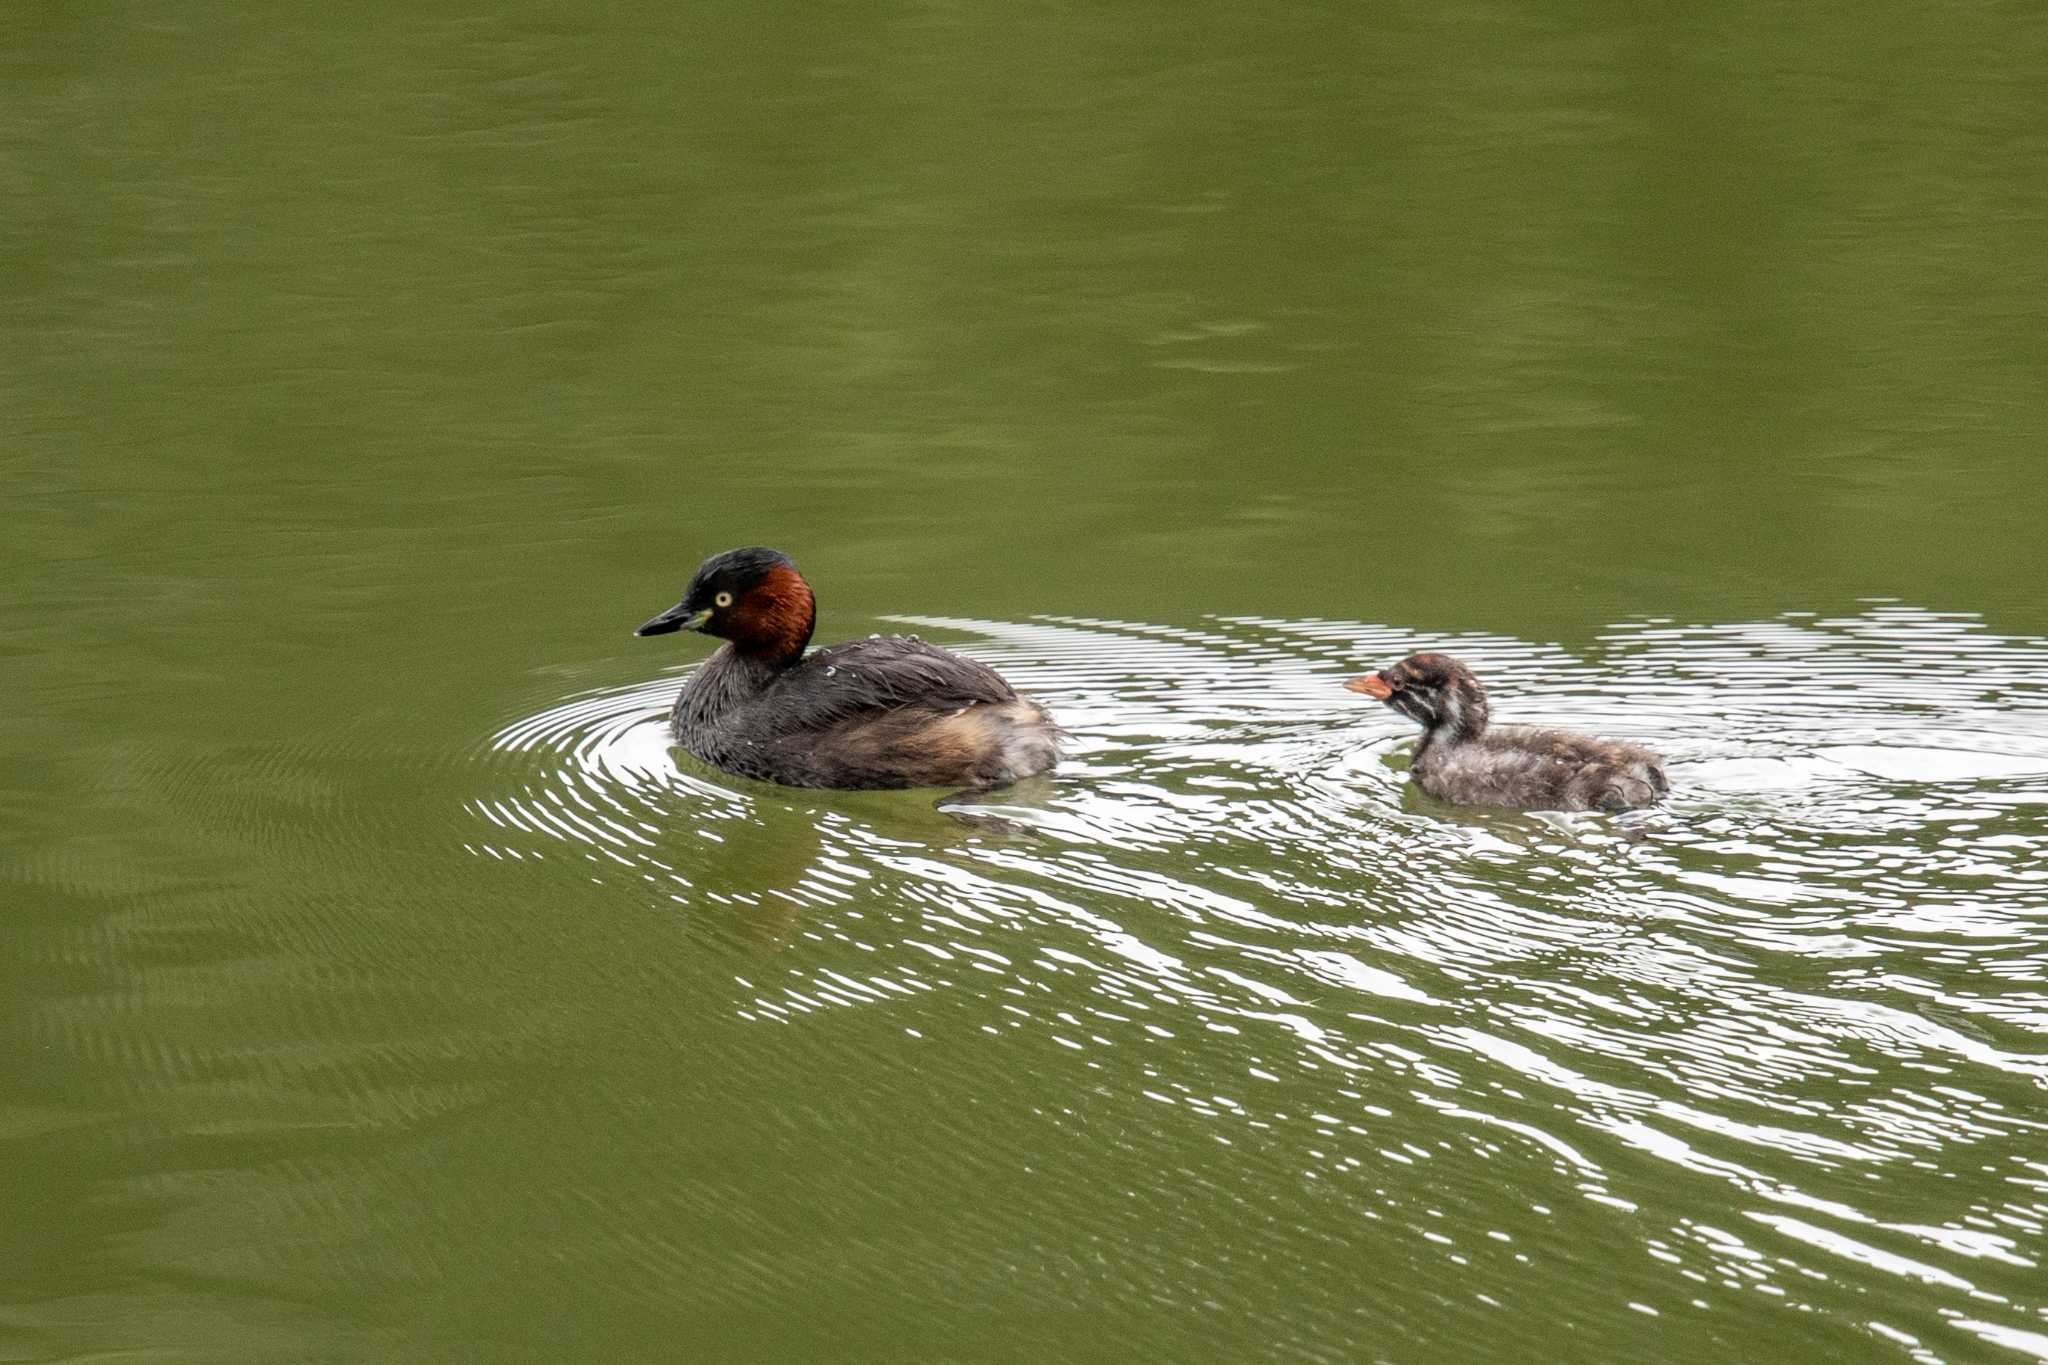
point(677, 617)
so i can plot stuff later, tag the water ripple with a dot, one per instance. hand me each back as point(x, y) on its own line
point(1751, 1027)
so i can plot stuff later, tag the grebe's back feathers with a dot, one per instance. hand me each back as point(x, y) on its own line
point(886, 712)
point(885, 673)
point(1543, 770)
point(893, 710)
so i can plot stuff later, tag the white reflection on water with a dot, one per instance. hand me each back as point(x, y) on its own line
point(1819, 966)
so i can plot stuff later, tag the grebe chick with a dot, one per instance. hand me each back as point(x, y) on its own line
point(888, 711)
point(1462, 760)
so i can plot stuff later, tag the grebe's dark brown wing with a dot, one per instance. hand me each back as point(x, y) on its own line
point(880, 675)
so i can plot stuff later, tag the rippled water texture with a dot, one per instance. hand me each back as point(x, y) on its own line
point(378, 984)
point(1783, 1040)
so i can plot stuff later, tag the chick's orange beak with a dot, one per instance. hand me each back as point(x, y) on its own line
point(1373, 685)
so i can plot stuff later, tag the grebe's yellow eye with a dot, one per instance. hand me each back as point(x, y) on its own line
point(723, 599)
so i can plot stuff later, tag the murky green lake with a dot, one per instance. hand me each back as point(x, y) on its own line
point(380, 985)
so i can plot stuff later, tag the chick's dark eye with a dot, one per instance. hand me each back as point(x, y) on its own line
point(723, 599)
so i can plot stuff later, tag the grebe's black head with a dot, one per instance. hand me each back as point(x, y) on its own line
point(753, 597)
point(1434, 690)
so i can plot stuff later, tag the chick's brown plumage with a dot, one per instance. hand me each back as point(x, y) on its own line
point(1465, 759)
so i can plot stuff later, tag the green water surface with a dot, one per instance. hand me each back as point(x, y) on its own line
point(368, 372)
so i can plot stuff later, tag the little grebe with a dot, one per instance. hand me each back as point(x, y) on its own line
point(889, 711)
point(1461, 760)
